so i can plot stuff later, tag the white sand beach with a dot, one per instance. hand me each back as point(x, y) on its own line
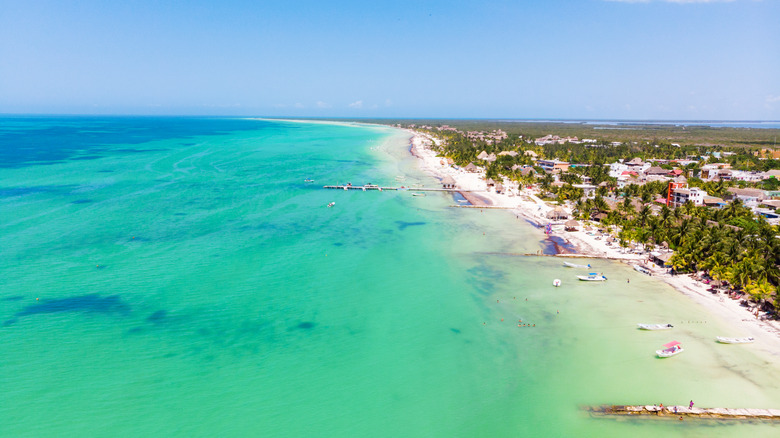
point(524, 202)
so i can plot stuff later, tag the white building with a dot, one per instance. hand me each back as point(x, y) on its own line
point(681, 196)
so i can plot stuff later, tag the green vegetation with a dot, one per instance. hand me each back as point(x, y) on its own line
point(730, 243)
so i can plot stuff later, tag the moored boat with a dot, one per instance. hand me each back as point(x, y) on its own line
point(574, 265)
point(724, 340)
point(671, 349)
point(655, 326)
point(331, 204)
point(592, 277)
point(642, 269)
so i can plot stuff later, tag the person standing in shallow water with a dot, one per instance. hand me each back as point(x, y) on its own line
point(690, 406)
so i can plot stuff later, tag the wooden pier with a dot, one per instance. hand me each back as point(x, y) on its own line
point(678, 412)
point(390, 188)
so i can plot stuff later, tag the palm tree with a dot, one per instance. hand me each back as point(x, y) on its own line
point(644, 213)
point(759, 291)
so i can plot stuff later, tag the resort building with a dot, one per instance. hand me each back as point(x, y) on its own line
point(552, 166)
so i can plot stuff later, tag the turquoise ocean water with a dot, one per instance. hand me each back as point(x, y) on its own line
point(177, 277)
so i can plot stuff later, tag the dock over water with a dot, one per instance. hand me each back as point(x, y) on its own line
point(673, 412)
point(383, 188)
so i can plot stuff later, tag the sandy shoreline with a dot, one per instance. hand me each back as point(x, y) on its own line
point(525, 203)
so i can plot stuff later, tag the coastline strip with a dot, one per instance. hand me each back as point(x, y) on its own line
point(685, 411)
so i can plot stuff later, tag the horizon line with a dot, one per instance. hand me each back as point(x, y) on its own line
point(507, 119)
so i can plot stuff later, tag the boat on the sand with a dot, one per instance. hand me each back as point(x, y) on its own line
point(655, 326)
point(724, 340)
point(592, 277)
point(574, 265)
point(671, 349)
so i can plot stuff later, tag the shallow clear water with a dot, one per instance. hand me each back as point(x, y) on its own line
point(177, 277)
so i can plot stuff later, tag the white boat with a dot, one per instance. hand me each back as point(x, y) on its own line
point(723, 340)
point(642, 269)
point(574, 265)
point(671, 349)
point(418, 194)
point(308, 180)
point(331, 204)
point(655, 326)
point(557, 282)
point(592, 277)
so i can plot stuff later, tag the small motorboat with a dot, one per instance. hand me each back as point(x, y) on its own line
point(418, 194)
point(592, 277)
point(557, 282)
point(574, 265)
point(331, 204)
point(643, 270)
point(671, 349)
point(723, 340)
point(655, 326)
point(308, 180)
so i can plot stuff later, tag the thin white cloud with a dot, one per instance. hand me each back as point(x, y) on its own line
point(321, 104)
point(772, 99)
point(357, 104)
point(299, 105)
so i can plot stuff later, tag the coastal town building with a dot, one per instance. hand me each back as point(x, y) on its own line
point(655, 170)
point(524, 170)
point(710, 172)
point(750, 197)
point(553, 166)
point(471, 167)
point(714, 202)
point(448, 182)
point(588, 190)
point(554, 139)
point(680, 196)
point(635, 165)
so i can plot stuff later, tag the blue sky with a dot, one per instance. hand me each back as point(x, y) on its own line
point(654, 59)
